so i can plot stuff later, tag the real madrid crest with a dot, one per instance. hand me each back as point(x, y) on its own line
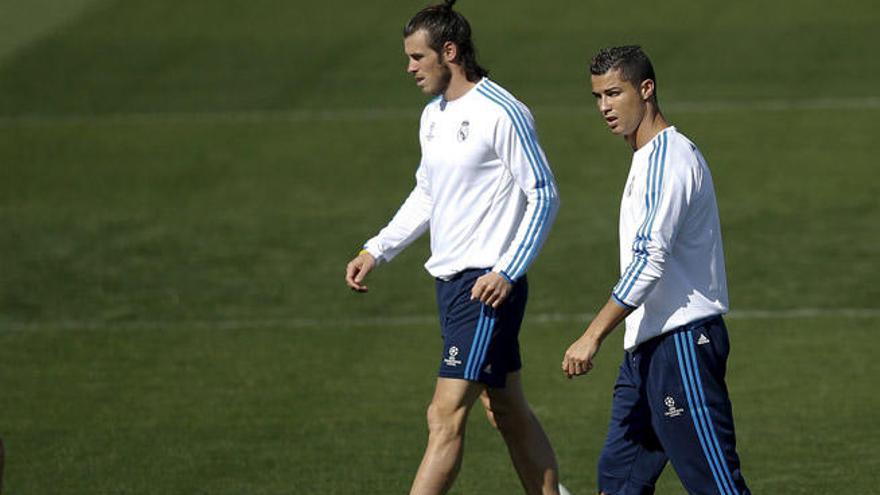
point(463, 130)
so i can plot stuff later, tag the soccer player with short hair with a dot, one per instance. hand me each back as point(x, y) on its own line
point(487, 195)
point(670, 399)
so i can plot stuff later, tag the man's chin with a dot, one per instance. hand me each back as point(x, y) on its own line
point(427, 90)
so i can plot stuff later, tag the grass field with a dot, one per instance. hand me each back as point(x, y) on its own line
point(182, 183)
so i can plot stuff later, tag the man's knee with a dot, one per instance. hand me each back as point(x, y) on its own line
point(446, 422)
point(508, 417)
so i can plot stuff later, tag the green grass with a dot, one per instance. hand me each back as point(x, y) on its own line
point(177, 214)
point(339, 410)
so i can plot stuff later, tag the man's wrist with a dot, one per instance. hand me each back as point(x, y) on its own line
point(504, 275)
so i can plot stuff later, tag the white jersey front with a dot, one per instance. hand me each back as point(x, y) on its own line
point(483, 187)
point(671, 257)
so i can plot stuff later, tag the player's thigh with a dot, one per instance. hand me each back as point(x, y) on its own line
point(480, 343)
point(507, 400)
point(691, 409)
point(453, 398)
point(632, 458)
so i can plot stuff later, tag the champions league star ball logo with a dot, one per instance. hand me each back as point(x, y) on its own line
point(671, 410)
point(452, 359)
point(463, 131)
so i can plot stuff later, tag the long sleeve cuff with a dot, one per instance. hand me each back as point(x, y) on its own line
point(620, 302)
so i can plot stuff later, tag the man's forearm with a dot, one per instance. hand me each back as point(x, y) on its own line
point(607, 320)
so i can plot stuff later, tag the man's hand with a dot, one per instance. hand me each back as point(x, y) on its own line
point(357, 270)
point(491, 289)
point(578, 359)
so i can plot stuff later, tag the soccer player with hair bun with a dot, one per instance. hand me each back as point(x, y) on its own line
point(487, 195)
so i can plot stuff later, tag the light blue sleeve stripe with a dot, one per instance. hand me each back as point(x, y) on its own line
point(538, 223)
point(621, 303)
point(655, 172)
point(654, 178)
point(631, 269)
point(529, 131)
point(535, 216)
point(541, 172)
point(636, 267)
point(659, 187)
point(640, 257)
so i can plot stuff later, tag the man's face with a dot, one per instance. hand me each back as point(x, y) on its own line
point(431, 72)
point(621, 104)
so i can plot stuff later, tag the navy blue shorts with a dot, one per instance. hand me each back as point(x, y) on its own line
point(671, 403)
point(480, 344)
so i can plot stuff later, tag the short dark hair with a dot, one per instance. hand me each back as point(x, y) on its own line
point(444, 24)
point(633, 63)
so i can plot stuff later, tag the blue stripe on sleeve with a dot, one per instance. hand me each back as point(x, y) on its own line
point(658, 190)
point(656, 169)
point(541, 182)
point(537, 228)
point(529, 142)
point(528, 136)
point(639, 257)
point(621, 303)
point(533, 222)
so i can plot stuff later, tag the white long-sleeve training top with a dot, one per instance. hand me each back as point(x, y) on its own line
point(483, 187)
point(671, 257)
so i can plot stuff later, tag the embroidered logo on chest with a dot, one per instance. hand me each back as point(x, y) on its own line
point(463, 131)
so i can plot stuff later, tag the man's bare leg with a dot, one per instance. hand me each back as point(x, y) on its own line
point(528, 445)
point(447, 418)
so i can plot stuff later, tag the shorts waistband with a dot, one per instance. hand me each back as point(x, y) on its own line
point(698, 323)
point(655, 341)
point(466, 271)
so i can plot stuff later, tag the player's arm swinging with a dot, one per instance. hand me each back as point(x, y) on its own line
point(578, 359)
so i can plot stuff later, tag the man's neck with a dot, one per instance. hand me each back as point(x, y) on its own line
point(458, 85)
point(653, 123)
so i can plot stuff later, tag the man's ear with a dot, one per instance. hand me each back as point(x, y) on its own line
point(646, 89)
point(449, 52)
